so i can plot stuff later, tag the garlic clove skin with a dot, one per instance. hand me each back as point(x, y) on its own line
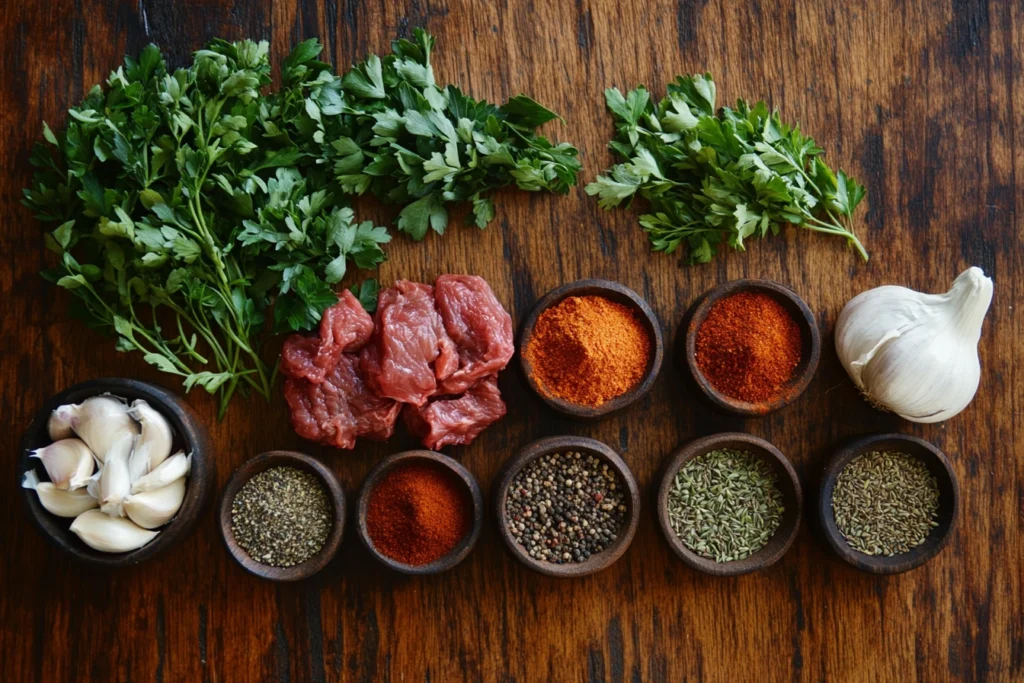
point(99, 421)
point(114, 482)
point(110, 534)
point(69, 463)
point(59, 424)
point(175, 467)
point(154, 444)
point(916, 354)
point(57, 501)
point(152, 509)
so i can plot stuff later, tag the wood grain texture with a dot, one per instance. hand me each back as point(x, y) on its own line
point(920, 99)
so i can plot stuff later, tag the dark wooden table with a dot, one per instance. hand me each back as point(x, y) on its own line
point(922, 101)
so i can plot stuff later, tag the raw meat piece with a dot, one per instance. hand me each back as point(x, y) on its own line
point(413, 351)
point(478, 324)
point(341, 408)
point(453, 421)
point(345, 326)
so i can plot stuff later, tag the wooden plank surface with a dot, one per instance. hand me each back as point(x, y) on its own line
point(921, 100)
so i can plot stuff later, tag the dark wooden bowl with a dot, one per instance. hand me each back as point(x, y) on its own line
point(614, 292)
point(189, 435)
point(802, 374)
point(949, 502)
point(300, 461)
point(555, 444)
point(460, 551)
point(788, 484)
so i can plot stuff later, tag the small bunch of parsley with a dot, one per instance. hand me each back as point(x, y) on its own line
point(713, 178)
point(386, 127)
point(187, 211)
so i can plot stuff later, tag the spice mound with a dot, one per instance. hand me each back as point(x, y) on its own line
point(588, 350)
point(418, 513)
point(748, 347)
point(281, 516)
point(565, 507)
point(885, 503)
point(725, 505)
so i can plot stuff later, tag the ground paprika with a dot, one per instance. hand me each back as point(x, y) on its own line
point(588, 350)
point(418, 513)
point(748, 347)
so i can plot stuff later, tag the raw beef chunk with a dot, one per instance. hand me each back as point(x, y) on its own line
point(345, 326)
point(412, 350)
point(478, 324)
point(453, 421)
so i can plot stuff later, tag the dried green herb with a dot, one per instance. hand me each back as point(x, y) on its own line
point(725, 505)
point(885, 503)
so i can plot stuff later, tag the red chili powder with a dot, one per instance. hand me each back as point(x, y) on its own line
point(748, 347)
point(418, 513)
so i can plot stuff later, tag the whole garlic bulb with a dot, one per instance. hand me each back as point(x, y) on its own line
point(916, 354)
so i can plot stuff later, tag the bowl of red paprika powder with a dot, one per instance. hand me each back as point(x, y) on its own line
point(752, 346)
point(591, 348)
point(419, 512)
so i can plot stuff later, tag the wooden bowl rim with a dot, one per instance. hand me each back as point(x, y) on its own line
point(187, 427)
point(616, 292)
point(788, 529)
point(554, 444)
point(949, 487)
point(387, 465)
point(335, 494)
point(809, 332)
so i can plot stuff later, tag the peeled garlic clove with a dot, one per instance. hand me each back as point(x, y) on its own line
point(174, 467)
point(99, 421)
point(56, 501)
point(114, 482)
point(59, 424)
point(152, 509)
point(154, 444)
point(110, 534)
point(68, 462)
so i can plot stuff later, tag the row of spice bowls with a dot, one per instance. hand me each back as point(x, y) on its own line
point(282, 514)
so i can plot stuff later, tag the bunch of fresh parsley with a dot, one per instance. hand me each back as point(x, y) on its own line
point(187, 209)
point(387, 127)
point(719, 177)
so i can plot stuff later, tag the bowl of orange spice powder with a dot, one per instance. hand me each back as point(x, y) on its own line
point(591, 348)
point(752, 346)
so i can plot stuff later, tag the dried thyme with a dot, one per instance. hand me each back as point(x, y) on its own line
point(885, 503)
point(725, 505)
point(281, 517)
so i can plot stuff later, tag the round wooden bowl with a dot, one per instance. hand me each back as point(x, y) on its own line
point(555, 444)
point(472, 489)
point(949, 502)
point(335, 495)
point(802, 374)
point(788, 484)
point(189, 435)
point(619, 294)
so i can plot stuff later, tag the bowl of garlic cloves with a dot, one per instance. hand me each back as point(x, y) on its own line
point(114, 471)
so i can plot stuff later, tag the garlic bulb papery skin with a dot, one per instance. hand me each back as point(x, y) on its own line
point(99, 421)
point(152, 509)
point(154, 444)
point(175, 467)
point(916, 354)
point(56, 501)
point(59, 425)
point(114, 483)
point(69, 463)
point(110, 534)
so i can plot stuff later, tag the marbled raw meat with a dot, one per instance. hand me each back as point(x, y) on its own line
point(478, 324)
point(454, 421)
point(341, 408)
point(345, 326)
point(412, 350)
